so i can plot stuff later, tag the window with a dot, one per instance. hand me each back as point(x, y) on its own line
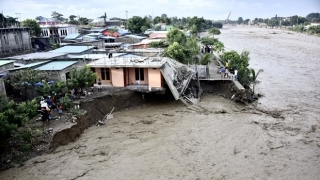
point(139, 74)
point(105, 73)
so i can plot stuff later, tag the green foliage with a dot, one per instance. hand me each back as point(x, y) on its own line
point(214, 31)
point(135, 23)
point(66, 102)
point(177, 52)
point(35, 28)
point(206, 59)
point(240, 20)
point(217, 24)
point(159, 44)
point(254, 78)
point(175, 35)
point(195, 24)
point(57, 15)
point(218, 47)
point(81, 78)
point(51, 89)
point(240, 63)
point(55, 46)
point(314, 30)
point(14, 115)
point(192, 47)
point(208, 41)
point(26, 79)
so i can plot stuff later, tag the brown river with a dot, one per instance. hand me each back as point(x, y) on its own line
point(279, 138)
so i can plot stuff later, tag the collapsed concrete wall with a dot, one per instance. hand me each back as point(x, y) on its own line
point(226, 88)
point(177, 76)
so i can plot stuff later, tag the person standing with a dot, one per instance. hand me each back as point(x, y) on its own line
point(236, 75)
point(99, 84)
point(226, 72)
point(222, 70)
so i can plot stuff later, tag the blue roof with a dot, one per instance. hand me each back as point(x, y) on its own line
point(56, 65)
point(4, 62)
point(72, 36)
point(72, 49)
point(29, 65)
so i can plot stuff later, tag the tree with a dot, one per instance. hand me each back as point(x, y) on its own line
point(177, 52)
point(246, 21)
point(214, 31)
point(156, 20)
point(240, 20)
point(26, 79)
point(11, 21)
point(163, 16)
point(205, 59)
point(35, 29)
point(83, 21)
point(144, 28)
point(135, 23)
point(312, 15)
point(81, 78)
point(57, 16)
point(195, 24)
point(14, 115)
point(3, 21)
point(159, 44)
point(218, 46)
point(71, 17)
point(175, 35)
point(254, 78)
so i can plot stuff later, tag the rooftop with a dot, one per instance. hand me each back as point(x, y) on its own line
point(4, 62)
point(152, 62)
point(28, 66)
point(39, 55)
point(56, 65)
point(135, 36)
point(71, 36)
point(73, 49)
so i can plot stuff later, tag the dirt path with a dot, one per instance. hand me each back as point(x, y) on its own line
point(216, 139)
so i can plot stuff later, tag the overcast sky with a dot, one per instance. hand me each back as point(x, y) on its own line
point(209, 9)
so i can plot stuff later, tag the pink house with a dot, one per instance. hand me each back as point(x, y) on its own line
point(129, 72)
point(146, 75)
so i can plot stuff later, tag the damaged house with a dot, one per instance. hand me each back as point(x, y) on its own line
point(149, 75)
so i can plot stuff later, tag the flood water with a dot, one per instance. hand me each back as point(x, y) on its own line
point(216, 139)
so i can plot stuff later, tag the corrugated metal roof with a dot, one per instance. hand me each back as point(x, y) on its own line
point(135, 36)
point(56, 65)
point(72, 36)
point(4, 62)
point(38, 55)
point(28, 65)
point(72, 49)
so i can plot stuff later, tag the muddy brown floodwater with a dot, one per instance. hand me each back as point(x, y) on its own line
point(279, 138)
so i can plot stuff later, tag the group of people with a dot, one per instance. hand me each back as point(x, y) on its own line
point(47, 105)
point(224, 71)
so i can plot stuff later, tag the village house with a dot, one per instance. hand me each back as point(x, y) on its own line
point(146, 75)
point(52, 28)
point(21, 60)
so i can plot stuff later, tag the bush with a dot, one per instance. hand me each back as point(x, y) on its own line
point(66, 102)
point(14, 115)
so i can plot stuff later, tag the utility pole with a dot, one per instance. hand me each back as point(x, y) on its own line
point(2, 19)
point(18, 18)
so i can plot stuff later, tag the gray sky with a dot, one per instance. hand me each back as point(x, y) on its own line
point(209, 9)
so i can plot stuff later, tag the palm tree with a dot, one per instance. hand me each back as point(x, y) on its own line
point(254, 76)
point(203, 59)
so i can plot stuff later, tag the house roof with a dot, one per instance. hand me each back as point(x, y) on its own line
point(56, 65)
point(73, 49)
point(4, 62)
point(147, 41)
point(158, 35)
point(72, 36)
point(132, 61)
point(135, 36)
point(31, 65)
point(38, 55)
